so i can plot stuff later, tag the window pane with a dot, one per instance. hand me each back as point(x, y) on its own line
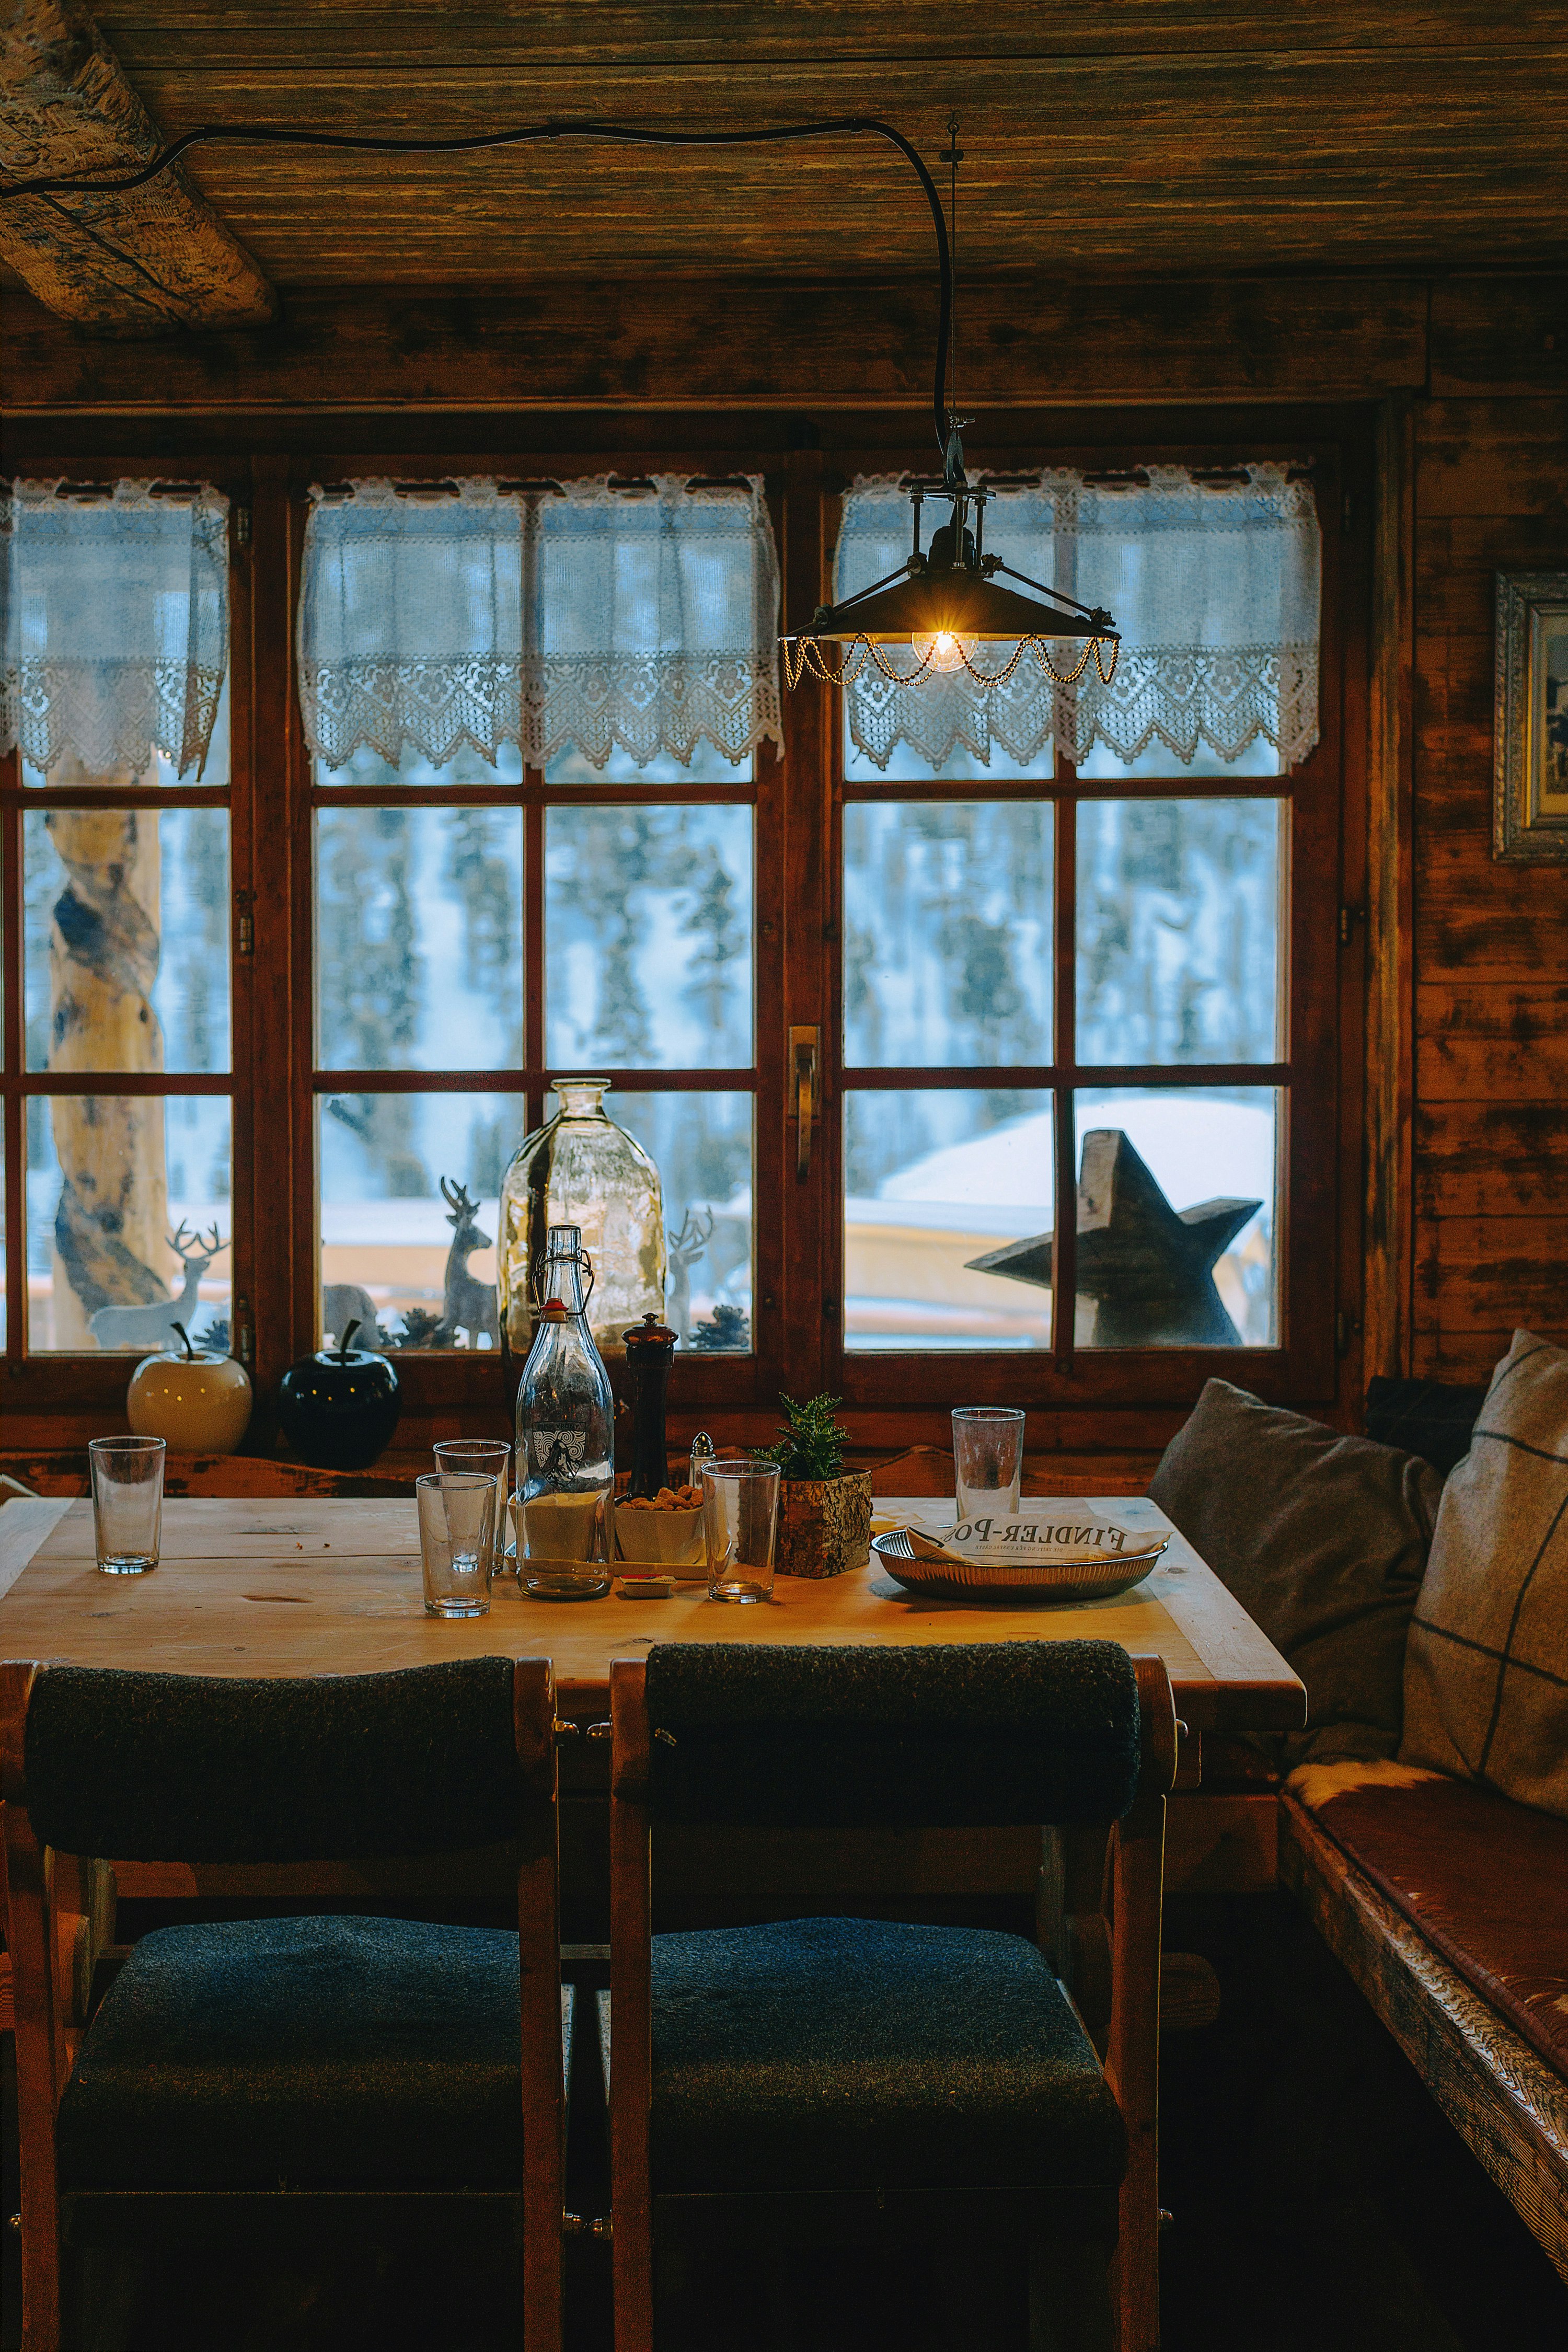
point(702, 1146)
point(648, 937)
point(467, 767)
point(1152, 1273)
point(906, 766)
point(1259, 759)
point(1178, 930)
point(419, 939)
point(708, 766)
point(947, 933)
point(127, 939)
point(386, 1228)
point(934, 1179)
point(112, 1179)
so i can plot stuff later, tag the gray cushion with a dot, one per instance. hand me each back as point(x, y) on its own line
point(307, 2052)
point(959, 1735)
point(195, 1768)
point(858, 2054)
point(1323, 1541)
point(1486, 1677)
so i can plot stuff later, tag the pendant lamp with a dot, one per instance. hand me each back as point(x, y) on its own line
point(948, 599)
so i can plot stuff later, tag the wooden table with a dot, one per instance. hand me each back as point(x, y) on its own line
point(250, 1587)
point(257, 1586)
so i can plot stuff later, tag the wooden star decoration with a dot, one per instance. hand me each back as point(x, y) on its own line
point(1148, 1267)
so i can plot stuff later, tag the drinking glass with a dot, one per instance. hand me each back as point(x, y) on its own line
point(987, 1459)
point(457, 1533)
point(455, 1455)
point(739, 1518)
point(127, 1503)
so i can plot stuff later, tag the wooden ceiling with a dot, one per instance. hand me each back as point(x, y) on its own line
point(1135, 139)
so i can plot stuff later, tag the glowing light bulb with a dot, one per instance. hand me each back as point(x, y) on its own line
point(943, 650)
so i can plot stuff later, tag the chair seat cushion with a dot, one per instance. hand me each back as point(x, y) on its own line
point(302, 2052)
point(860, 2053)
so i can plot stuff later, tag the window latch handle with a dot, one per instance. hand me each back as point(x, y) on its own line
point(805, 1051)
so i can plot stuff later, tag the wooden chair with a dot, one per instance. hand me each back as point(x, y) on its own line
point(791, 2068)
point(275, 2064)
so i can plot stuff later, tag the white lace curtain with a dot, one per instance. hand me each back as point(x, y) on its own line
point(114, 623)
point(643, 619)
point(1213, 585)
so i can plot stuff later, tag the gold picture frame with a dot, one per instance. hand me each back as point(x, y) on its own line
point(1530, 773)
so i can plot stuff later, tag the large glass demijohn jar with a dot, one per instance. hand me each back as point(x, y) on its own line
point(582, 1170)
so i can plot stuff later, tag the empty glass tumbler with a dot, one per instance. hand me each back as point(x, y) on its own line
point(455, 1455)
point(457, 1534)
point(987, 1460)
point(740, 1520)
point(127, 1503)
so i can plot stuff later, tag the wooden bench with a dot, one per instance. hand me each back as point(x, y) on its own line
point(1448, 1906)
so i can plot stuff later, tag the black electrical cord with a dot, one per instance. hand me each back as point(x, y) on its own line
point(617, 134)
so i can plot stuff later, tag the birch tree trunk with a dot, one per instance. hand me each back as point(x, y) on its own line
point(109, 1246)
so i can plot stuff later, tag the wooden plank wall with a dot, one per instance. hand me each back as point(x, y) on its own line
point(1490, 941)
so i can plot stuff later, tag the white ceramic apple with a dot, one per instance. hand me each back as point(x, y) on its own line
point(198, 1402)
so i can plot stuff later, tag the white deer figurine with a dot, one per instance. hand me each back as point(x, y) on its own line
point(684, 1250)
point(154, 1326)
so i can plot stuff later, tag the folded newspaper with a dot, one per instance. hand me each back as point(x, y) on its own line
point(1034, 1536)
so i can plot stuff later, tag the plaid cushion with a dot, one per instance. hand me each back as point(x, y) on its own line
point(1485, 1667)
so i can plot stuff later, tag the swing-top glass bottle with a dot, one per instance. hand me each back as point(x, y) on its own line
point(565, 1436)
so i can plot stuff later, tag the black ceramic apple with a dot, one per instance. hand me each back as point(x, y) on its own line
point(338, 1408)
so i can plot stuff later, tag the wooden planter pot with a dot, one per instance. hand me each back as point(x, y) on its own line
point(824, 1525)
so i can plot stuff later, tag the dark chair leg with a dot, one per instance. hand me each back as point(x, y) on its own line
point(1069, 2294)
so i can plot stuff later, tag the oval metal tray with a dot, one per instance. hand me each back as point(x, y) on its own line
point(1082, 1576)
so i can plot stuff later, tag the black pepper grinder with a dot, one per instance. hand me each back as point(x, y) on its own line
point(650, 1350)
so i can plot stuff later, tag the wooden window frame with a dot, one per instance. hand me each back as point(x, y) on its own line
point(1089, 1397)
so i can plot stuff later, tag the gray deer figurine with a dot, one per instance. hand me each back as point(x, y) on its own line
point(468, 1305)
point(154, 1326)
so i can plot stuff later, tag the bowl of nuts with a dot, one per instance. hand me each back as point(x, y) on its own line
point(663, 1529)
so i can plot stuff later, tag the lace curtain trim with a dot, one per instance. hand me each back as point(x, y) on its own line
point(1216, 587)
point(115, 629)
point(600, 616)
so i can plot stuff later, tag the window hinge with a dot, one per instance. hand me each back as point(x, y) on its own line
point(1345, 1329)
point(241, 526)
point(244, 925)
point(1349, 918)
point(242, 1345)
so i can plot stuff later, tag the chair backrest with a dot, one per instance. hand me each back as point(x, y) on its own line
point(964, 1735)
point(181, 1768)
point(95, 1762)
point(961, 1736)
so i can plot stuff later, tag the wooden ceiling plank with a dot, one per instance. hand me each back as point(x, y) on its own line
point(314, 33)
point(145, 264)
point(1416, 158)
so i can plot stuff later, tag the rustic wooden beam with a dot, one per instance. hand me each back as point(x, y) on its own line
point(147, 262)
point(742, 344)
point(1390, 1002)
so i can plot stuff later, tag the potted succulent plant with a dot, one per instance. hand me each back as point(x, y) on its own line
point(824, 1510)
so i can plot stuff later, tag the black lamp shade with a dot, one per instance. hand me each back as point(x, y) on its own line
point(959, 602)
